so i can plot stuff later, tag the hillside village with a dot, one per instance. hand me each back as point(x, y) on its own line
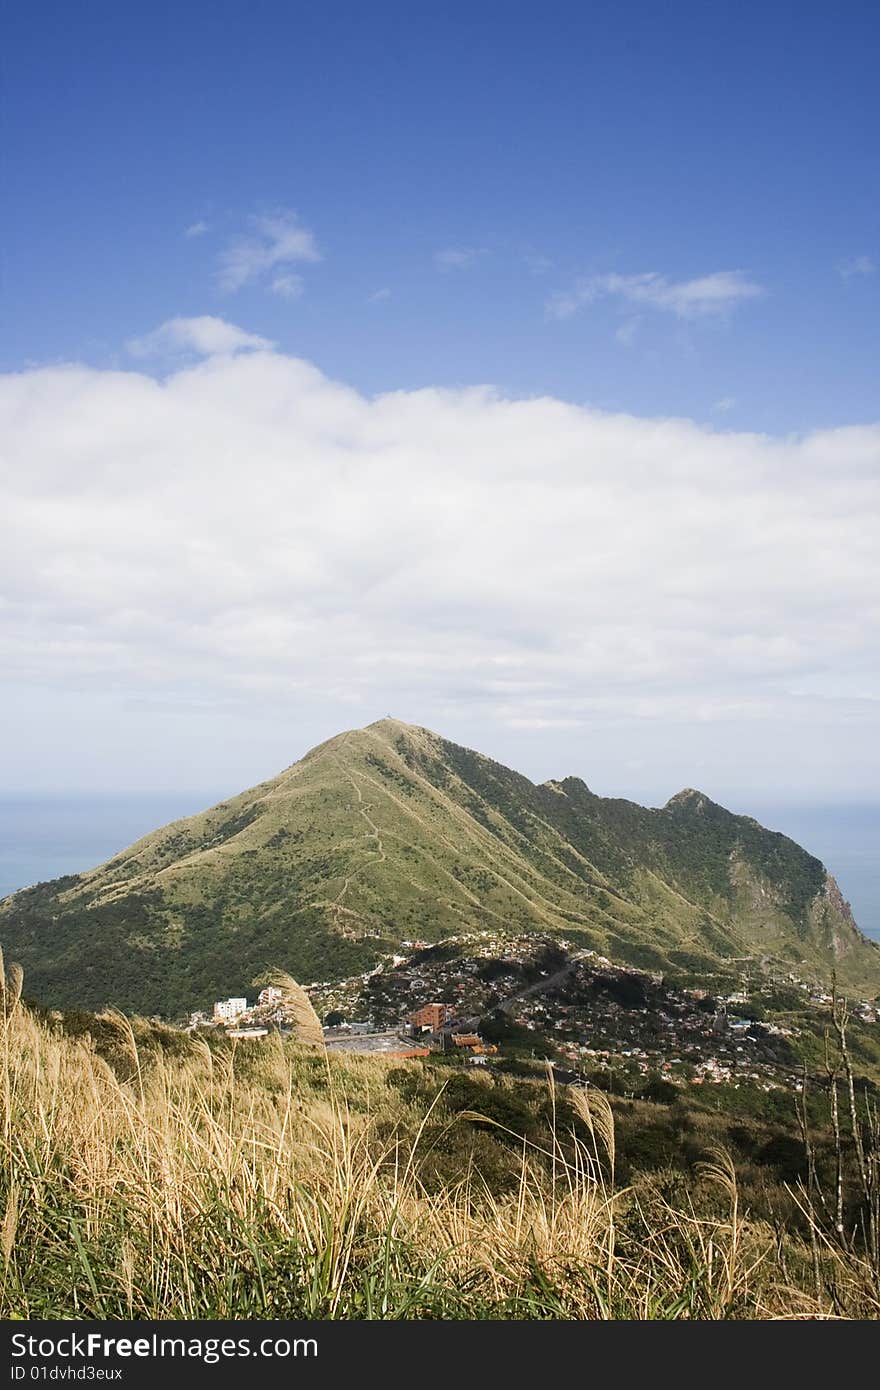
point(483, 1000)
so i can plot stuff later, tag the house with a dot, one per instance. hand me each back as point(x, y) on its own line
point(228, 1010)
point(270, 995)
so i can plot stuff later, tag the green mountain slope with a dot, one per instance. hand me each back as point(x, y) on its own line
point(392, 833)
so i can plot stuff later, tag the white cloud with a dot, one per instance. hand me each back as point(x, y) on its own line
point(703, 296)
point(725, 403)
point(204, 335)
point(858, 265)
point(378, 295)
point(278, 239)
point(287, 286)
point(196, 229)
point(246, 529)
point(457, 257)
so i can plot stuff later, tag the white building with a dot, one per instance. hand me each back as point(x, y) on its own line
point(271, 995)
point(228, 1010)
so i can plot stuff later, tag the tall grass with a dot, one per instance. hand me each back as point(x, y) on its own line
point(271, 1182)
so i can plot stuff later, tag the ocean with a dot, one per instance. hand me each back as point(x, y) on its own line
point(42, 838)
point(847, 840)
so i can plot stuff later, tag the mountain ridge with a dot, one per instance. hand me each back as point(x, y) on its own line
point(391, 832)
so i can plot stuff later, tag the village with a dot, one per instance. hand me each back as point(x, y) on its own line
point(484, 1000)
point(431, 1028)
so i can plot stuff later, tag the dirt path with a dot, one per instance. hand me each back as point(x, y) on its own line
point(373, 833)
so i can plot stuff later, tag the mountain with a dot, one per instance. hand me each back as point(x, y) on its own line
point(392, 833)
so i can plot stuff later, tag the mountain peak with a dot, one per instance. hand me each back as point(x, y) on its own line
point(390, 833)
point(386, 728)
point(690, 797)
point(390, 725)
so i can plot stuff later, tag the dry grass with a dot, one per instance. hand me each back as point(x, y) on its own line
point(270, 1181)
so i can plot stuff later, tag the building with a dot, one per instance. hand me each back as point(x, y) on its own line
point(228, 1010)
point(271, 995)
point(431, 1016)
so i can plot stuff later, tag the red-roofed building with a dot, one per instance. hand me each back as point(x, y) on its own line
point(432, 1016)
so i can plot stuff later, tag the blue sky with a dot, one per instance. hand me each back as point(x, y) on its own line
point(512, 369)
point(544, 146)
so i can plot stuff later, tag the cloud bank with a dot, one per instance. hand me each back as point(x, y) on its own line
point(248, 528)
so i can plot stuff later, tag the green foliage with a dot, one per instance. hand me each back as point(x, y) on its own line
point(499, 1028)
point(662, 1092)
point(391, 774)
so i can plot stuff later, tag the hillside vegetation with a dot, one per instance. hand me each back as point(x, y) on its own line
point(148, 1174)
point(392, 833)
